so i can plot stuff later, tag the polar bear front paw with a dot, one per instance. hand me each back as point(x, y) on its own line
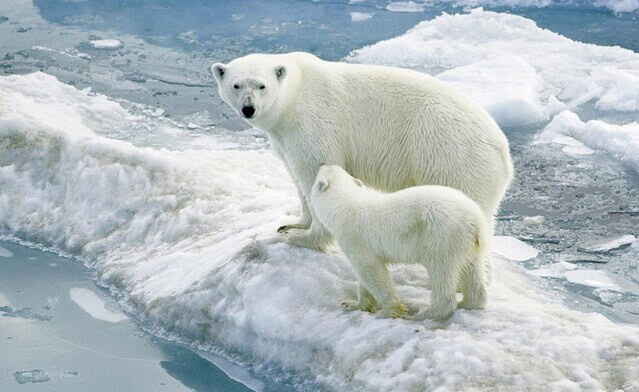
point(285, 228)
point(304, 239)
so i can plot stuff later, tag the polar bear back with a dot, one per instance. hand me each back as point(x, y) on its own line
point(395, 128)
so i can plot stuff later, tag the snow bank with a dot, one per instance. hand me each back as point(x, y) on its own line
point(187, 238)
point(520, 73)
point(621, 141)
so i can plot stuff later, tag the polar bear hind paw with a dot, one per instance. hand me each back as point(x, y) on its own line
point(396, 311)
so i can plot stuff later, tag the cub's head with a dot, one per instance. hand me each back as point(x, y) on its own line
point(332, 177)
point(250, 85)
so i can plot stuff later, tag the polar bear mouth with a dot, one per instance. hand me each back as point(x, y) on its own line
point(248, 111)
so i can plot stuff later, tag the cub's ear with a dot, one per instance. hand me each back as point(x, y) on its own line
point(218, 70)
point(322, 185)
point(280, 72)
point(359, 183)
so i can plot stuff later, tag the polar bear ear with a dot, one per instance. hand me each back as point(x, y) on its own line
point(322, 185)
point(359, 183)
point(218, 70)
point(280, 72)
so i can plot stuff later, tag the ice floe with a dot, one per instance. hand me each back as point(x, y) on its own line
point(4, 252)
point(521, 73)
point(513, 249)
point(360, 16)
point(607, 244)
point(621, 141)
point(106, 43)
point(187, 238)
point(94, 306)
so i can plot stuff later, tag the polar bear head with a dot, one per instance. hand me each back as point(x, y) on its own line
point(251, 84)
point(333, 177)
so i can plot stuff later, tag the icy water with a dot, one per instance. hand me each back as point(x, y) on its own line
point(168, 198)
point(61, 332)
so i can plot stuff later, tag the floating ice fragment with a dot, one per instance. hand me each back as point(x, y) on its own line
point(360, 16)
point(533, 221)
point(4, 252)
point(94, 306)
point(557, 270)
point(599, 279)
point(26, 376)
point(107, 44)
point(513, 249)
point(405, 6)
point(607, 244)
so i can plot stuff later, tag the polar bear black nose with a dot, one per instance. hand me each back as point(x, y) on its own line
point(248, 111)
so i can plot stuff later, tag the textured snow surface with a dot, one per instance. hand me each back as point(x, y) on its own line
point(520, 73)
point(188, 238)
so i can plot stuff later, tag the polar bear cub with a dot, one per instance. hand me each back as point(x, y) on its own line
point(438, 227)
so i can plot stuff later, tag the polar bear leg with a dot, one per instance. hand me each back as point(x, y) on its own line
point(306, 219)
point(474, 284)
point(444, 274)
point(365, 301)
point(374, 276)
point(317, 237)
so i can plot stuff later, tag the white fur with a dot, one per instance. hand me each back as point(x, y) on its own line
point(392, 128)
point(438, 227)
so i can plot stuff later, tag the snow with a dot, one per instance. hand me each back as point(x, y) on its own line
point(621, 141)
point(608, 244)
point(94, 306)
point(187, 240)
point(360, 16)
point(4, 252)
point(405, 6)
point(513, 249)
point(522, 74)
point(106, 43)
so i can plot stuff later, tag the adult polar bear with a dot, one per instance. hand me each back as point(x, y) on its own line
point(391, 128)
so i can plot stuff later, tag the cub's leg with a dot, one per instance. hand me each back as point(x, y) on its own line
point(365, 301)
point(474, 284)
point(444, 273)
point(374, 276)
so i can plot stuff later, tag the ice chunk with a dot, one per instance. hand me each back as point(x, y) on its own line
point(513, 249)
point(106, 44)
point(94, 306)
point(533, 221)
point(4, 252)
point(360, 16)
point(25, 376)
point(405, 6)
point(556, 270)
point(476, 51)
point(621, 141)
point(607, 244)
point(592, 278)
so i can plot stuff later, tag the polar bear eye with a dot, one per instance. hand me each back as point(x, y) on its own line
point(262, 87)
point(236, 86)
